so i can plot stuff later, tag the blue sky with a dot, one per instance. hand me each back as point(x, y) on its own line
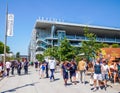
point(92, 12)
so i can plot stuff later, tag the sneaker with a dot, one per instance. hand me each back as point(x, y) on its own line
point(99, 88)
point(81, 82)
point(94, 89)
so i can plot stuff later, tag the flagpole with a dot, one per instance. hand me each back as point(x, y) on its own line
point(5, 38)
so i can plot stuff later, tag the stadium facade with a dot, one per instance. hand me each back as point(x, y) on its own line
point(49, 33)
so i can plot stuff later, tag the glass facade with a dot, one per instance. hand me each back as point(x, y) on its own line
point(60, 35)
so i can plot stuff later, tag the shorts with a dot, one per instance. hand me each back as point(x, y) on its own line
point(105, 77)
point(73, 74)
point(114, 72)
point(97, 76)
point(65, 75)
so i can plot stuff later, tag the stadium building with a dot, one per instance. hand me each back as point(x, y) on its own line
point(48, 33)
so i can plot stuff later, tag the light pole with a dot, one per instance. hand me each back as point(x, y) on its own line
point(5, 39)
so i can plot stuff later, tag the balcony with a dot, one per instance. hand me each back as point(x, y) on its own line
point(99, 39)
point(39, 52)
point(40, 46)
point(42, 41)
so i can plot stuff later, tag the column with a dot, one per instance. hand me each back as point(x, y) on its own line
point(52, 33)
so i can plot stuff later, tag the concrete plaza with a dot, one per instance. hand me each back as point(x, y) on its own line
point(31, 83)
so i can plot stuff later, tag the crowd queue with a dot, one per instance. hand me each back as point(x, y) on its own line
point(101, 70)
point(11, 66)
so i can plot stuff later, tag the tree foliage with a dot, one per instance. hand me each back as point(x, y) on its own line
point(48, 52)
point(90, 47)
point(52, 51)
point(105, 45)
point(40, 57)
point(115, 45)
point(66, 51)
point(2, 48)
point(18, 55)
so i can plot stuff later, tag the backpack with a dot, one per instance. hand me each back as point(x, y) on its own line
point(43, 67)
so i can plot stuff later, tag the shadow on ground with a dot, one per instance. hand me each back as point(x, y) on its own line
point(57, 79)
point(14, 89)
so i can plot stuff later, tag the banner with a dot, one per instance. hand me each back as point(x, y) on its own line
point(10, 23)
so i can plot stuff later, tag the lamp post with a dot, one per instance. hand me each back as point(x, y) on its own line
point(5, 39)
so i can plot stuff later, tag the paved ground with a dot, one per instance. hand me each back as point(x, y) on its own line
point(31, 83)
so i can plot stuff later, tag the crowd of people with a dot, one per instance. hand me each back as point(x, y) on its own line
point(11, 66)
point(101, 71)
point(45, 66)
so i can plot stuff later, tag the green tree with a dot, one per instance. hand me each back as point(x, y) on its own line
point(66, 51)
point(48, 52)
point(105, 45)
point(40, 57)
point(18, 55)
point(90, 47)
point(2, 48)
point(78, 58)
point(53, 51)
point(7, 49)
point(115, 45)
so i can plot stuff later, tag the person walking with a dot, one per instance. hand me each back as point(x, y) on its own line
point(42, 70)
point(26, 63)
point(82, 70)
point(8, 65)
point(19, 67)
point(105, 71)
point(52, 65)
point(113, 71)
point(36, 65)
point(1, 69)
point(46, 66)
point(12, 67)
point(64, 71)
point(73, 69)
point(97, 74)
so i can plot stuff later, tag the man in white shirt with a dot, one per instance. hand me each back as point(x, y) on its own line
point(8, 65)
point(52, 65)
